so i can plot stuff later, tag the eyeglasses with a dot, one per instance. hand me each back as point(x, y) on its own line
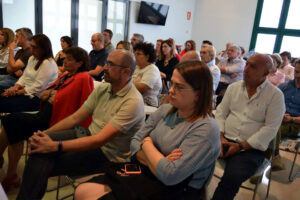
point(179, 88)
point(110, 64)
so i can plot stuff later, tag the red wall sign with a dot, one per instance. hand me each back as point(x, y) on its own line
point(188, 16)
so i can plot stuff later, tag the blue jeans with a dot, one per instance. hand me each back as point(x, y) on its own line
point(7, 81)
point(238, 169)
point(41, 166)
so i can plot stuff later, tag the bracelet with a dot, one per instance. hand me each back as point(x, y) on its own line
point(293, 119)
point(59, 146)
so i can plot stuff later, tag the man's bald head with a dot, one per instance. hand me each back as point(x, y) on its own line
point(190, 55)
point(257, 68)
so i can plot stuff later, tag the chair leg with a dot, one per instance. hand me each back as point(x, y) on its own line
point(269, 183)
point(291, 179)
point(256, 187)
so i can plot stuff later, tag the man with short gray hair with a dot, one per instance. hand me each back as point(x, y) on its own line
point(231, 70)
point(97, 56)
point(208, 55)
point(248, 117)
point(136, 38)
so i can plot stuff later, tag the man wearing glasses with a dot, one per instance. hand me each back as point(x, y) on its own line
point(64, 149)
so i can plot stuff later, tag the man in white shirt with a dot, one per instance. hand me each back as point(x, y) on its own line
point(248, 117)
point(208, 54)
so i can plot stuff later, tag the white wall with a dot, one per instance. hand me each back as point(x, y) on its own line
point(177, 26)
point(222, 21)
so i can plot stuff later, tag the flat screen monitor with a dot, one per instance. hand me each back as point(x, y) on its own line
point(153, 13)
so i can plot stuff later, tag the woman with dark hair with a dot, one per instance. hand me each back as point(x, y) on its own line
point(146, 76)
point(167, 62)
point(65, 42)
point(177, 147)
point(7, 36)
point(59, 100)
point(189, 45)
point(40, 72)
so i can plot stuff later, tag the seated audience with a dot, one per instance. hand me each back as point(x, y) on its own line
point(17, 63)
point(108, 34)
point(208, 55)
point(146, 77)
point(275, 76)
point(40, 73)
point(157, 49)
point(248, 117)
point(176, 148)
point(136, 38)
point(7, 36)
point(206, 43)
point(286, 68)
point(224, 54)
point(242, 53)
point(125, 45)
point(175, 49)
point(117, 112)
point(97, 56)
point(231, 70)
point(167, 63)
point(290, 126)
point(189, 45)
point(65, 42)
point(60, 100)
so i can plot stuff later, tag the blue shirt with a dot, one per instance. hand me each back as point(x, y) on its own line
point(291, 98)
point(199, 141)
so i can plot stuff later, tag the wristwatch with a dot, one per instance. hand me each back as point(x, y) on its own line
point(241, 147)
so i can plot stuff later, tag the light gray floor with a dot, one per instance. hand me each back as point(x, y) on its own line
point(281, 188)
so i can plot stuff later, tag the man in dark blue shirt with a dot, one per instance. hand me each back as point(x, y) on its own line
point(98, 56)
point(291, 121)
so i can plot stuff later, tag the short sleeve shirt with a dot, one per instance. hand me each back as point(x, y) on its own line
point(123, 110)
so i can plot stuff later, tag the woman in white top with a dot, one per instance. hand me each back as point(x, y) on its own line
point(146, 76)
point(40, 72)
point(7, 36)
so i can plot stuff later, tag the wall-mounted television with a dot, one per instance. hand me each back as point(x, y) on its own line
point(153, 13)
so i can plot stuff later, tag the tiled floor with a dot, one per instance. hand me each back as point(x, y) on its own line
point(281, 188)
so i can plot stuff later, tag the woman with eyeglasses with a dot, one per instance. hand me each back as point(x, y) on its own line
point(176, 149)
point(146, 76)
point(59, 100)
point(40, 72)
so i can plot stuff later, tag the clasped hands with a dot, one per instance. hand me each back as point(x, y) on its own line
point(233, 148)
point(12, 91)
point(40, 142)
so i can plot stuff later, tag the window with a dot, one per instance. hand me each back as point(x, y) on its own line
point(76, 18)
point(18, 14)
point(90, 18)
point(56, 16)
point(116, 17)
point(276, 27)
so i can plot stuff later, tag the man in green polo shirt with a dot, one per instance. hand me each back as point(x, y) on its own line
point(117, 110)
